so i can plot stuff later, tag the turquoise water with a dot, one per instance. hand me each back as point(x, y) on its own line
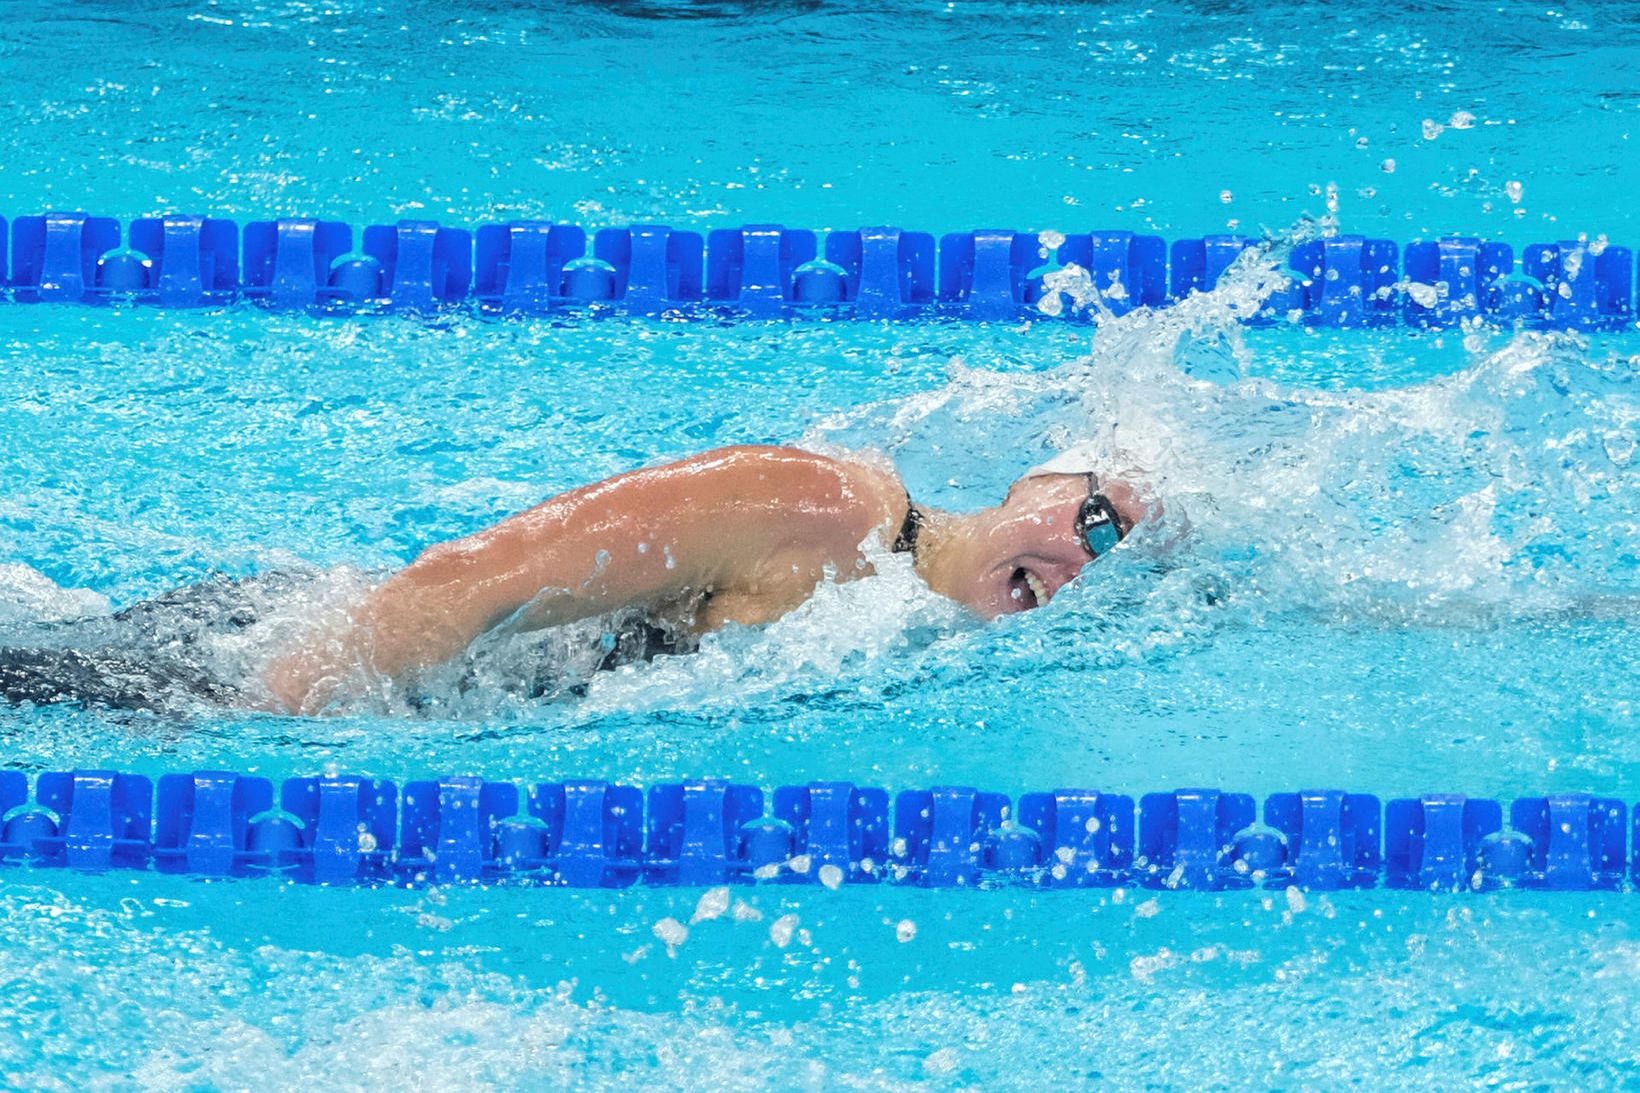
point(943, 116)
point(1391, 562)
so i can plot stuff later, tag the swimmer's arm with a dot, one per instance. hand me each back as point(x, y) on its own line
point(710, 523)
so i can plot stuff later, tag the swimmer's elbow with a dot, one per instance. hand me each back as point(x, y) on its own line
point(446, 562)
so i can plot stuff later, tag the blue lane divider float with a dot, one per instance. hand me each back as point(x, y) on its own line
point(346, 829)
point(766, 271)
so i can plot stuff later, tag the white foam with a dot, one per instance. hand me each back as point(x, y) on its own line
point(27, 595)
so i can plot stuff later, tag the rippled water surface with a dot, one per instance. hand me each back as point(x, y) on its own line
point(1394, 562)
point(1180, 117)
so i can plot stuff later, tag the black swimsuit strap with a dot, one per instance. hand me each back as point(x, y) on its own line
point(906, 541)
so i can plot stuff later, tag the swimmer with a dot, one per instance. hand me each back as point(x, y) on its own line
point(737, 535)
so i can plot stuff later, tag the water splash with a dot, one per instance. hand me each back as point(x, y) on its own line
point(27, 595)
point(1505, 486)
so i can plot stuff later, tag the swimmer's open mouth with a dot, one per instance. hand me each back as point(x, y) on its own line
point(1027, 589)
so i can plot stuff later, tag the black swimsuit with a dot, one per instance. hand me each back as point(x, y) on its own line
point(155, 655)
point(149, 656)
point(906, 541)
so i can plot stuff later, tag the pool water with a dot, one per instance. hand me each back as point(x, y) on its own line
point(1389, 561)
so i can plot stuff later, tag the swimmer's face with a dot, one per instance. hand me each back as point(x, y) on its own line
point(1026, 549)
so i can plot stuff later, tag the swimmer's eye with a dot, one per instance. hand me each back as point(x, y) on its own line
point(1098, 525)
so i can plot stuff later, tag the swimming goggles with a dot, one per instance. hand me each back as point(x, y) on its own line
point(1098, 526)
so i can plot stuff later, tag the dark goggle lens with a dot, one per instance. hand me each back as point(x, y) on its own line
point(1097, 525)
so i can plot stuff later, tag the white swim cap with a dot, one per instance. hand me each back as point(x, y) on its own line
point(1078, 459)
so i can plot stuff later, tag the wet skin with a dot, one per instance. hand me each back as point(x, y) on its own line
point(741, 534)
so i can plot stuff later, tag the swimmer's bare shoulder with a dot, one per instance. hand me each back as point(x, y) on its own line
point(755, 527)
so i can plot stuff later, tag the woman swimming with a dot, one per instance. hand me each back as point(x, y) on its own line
point(737, 535)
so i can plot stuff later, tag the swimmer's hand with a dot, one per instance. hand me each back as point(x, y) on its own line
point(308, 679)
point(757, 528)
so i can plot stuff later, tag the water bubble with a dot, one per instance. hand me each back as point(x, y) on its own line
point(672, 933)
point(831, 876)
point(1388, 166)
point(1226, 196)
point(1432, 129)
point(1145, 967)
point(1620, 447)
point(905, 930)
point(1462, 119)
point(1051, 239)
point(782, 929)
point(1514, 189)
point(713, 902)
point(1423, 295)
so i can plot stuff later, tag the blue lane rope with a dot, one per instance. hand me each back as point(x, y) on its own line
point(768, 271)
point(345, 829)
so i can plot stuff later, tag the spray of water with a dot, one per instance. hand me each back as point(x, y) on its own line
point(1502, 488)
point(1505, 486)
